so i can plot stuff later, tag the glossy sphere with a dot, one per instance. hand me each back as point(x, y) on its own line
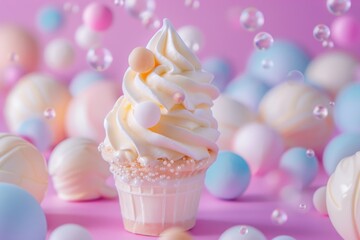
point(147, 114)
point(141, 60)
point(228, 177)
point(175, 233)
point(300, 165)
point(99, 59)
point(260, 145)
point(50, 19)
point(338, 7)
point(341, 146)
point(21, 216)
point(83, 80)
point(242, 232)
point(70, 232)
point(97, 16)
point(59, 54)
point(263, 41)
point(345, 31)
point(319, 200)
point(221, 70)
point(251, 19)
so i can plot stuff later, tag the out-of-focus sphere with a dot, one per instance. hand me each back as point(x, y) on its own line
point(16, 39)
point(23, 165)
point(332, 71)
point(175, 233)
point(192, 36)
point(97, 16)
point(242, 232)
point(319, 200)
point(31, 96)
point(50, 19)
point(251, 19)
point(83, 80)
point(260, 145)
point(147, 114)
point(286, 56)
point(338, 7)
point(342, 197)
point(73, 164)
point(263, 41)
point(99, 59)
point(283, 237)
point(21, 217)
point(345, 31)
point(302, 166)
point(321, 32)
point(70, 232)
point(221, 69)
point(347, 109)
point(341, 146)
point(59, 54)
point(86, 111)
point(230, 115)
point(141, 60)
point(288, 108)
point(140, 8)
point(247, 90)
point(87, 38)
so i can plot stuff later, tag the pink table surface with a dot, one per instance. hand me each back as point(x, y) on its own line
point(102, 217)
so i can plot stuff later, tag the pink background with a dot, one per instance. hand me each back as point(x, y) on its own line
point(292, 20)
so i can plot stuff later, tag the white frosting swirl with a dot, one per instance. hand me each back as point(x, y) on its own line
point(185, 129)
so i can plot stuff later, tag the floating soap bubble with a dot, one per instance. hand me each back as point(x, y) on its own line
point(321, 32)
point(267, 63)
point(99, 59)
point(263, 40)
point(194, 4)
point(295, 75)
point(243, 230)
point(150, 21)
point(279, 216)
point(119, 2)
point(328, 44)
point(71, 7)
point(302, 206)
point(140, 8)
point(49, 113)
point(310, 153)
point(251, 19)
point(332, 104)
point(320, 112)
point(338, 7)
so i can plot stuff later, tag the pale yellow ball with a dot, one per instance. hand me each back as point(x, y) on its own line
point(175, 233)
point(141, 60)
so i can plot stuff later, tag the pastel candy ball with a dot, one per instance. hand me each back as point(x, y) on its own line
point(141, 60)
point(97, 16)
point(347, 109)
point(288, 108)
point(260, 145)
point(23, 165)
point(175, 233)
point(50, 19)
point(247, 90)
point(85, 121)
point(228, 177)
point(87, 38)
point(83, 80)
point(345, 31)
point(341, 146)
point(332, 71)
point(221, 70)
point(242, 232)
point(319, 200)
point(21, 216)
point(302, 166)
point(147, 114)
point(342, 197)
point(70, 232)
point(59, 54)
point(283, 237)
point(286, 57)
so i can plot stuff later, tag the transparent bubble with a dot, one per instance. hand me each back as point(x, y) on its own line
point(119, 2)
point(295, 75)
point(251, 19)
point(302, 206)
point(71, 7)
point(194, 4)
point(99, 59)
point(328, 44)
point(243, 230)
point(267, 63)
point(14, 57)
point(320, 112)
point(279, 216)
point(310, 153)
point(321, 32)
point(332, 104)
point(140, 8)
point(338, 7)
point(150, 21)
point(263, 40)
point(49, 113)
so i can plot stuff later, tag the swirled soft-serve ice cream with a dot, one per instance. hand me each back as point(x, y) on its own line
point(161, 135)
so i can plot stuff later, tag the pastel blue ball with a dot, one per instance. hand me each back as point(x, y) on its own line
point(50, 19)
point(347, 109)
point(83, 80)
point(303, 167)
point(21, 217)
point(286, 57)
point(247, 90)
point(283, 237)
point(221, 70)
point(38, 131)
point(228, 177)
point(341, 146)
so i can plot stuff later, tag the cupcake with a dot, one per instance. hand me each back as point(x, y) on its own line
point(161, 135)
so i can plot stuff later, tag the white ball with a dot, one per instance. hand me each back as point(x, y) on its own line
point(242, 232)
point(319, 200)
point(192, 37)
point(147, 114)
point(87, 38)
point(70, 232)
point(59, 54)
point(260, 146)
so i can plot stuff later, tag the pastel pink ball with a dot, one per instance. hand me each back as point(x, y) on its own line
point(97, 16)
point(345, 31)
point(147, 114)
point(319, 200)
